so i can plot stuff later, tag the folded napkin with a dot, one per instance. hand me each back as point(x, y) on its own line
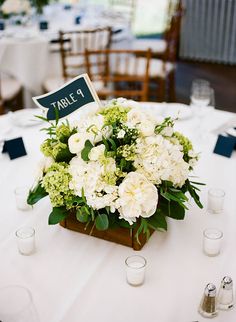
point(225, 145)
point(14, 147)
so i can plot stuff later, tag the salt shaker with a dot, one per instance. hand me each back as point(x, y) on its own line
point(207, 306)
point(225, 300)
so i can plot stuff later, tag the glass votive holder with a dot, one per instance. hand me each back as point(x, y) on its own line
point(26, 240)
point(212, 239)
point(215, 200)
point(135, 270)
point(21, 195)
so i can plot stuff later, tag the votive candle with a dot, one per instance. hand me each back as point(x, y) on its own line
point(135, 270)
point(212, 239)
point(26, 240)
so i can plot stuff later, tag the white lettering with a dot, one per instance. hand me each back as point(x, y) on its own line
point(72, 98)
point(54, 104)
point(79, 92)
point(64, 102)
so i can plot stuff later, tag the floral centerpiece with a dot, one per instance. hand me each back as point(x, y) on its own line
point(120, 166)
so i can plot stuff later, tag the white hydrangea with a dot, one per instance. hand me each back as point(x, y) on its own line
point(93, 178)
point(138, 197)
point(158, 159)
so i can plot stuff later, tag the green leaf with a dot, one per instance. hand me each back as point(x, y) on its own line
point(85, 152)
point(82, 216)
point(158, 221)
point(57, 215)
point(113, 144)
point(36, 194)
point(101, 222)
point(172, 209)
point(105, 143)
point(64, 155)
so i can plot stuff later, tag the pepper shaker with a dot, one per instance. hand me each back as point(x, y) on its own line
point(225, 300)
point(207, 306)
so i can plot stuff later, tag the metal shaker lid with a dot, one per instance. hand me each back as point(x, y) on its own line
point(210, 290)
point(227, 283)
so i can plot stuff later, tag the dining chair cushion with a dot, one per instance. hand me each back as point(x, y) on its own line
point(156, 45)
point(10, 87)
point(157, 67)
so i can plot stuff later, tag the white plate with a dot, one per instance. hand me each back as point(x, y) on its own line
point(177, 110)
point(26, 117)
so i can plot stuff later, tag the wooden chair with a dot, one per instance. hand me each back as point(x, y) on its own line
point(119, 73)
point(164, 56)
point(11, 94)
point(125, 7)
point(72, 49)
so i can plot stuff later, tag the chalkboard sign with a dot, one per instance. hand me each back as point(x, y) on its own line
point(68, 98)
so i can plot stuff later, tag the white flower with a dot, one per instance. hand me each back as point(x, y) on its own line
point(167, 131)
point(76, 142)
point(43, 166)
point(121, 134)
point(137, 197)
point(96, 152)
point(146, 128)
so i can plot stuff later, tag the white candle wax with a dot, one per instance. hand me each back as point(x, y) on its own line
point(135, 270)
point(212, 242)
point(21, 195)
point(215, 200)
point(26, 240)
point(135, 274)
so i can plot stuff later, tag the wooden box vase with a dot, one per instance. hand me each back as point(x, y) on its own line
point(120, 235)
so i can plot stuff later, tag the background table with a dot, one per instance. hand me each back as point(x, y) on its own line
point(25, 50)
point(74, 277)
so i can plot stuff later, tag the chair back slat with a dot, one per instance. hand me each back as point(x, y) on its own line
point(122, 73)
point(73, 45)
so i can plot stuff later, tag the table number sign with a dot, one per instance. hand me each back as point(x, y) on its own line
point(68, 98)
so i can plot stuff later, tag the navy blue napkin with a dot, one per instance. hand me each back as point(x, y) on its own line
point(2, 25)
point(43, 25)
point(225, 145)
point(15, 148)
point(67, 7)
point(78, 20)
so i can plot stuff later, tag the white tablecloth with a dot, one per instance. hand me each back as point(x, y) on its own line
point(74, 277)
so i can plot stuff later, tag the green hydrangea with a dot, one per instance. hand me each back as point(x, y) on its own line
point(185, 142)
point(56, 183)
point(51, 147)
point(128, 152)
point(115, 114)
point(63, 132)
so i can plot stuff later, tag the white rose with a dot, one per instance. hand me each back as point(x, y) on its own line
point(137, 197)
point(135, 116)
point(76, 142)
point(146, 128)
point(96, 152)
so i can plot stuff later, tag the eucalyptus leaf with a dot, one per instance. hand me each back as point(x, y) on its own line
point(82, 216)
point(101, 222)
